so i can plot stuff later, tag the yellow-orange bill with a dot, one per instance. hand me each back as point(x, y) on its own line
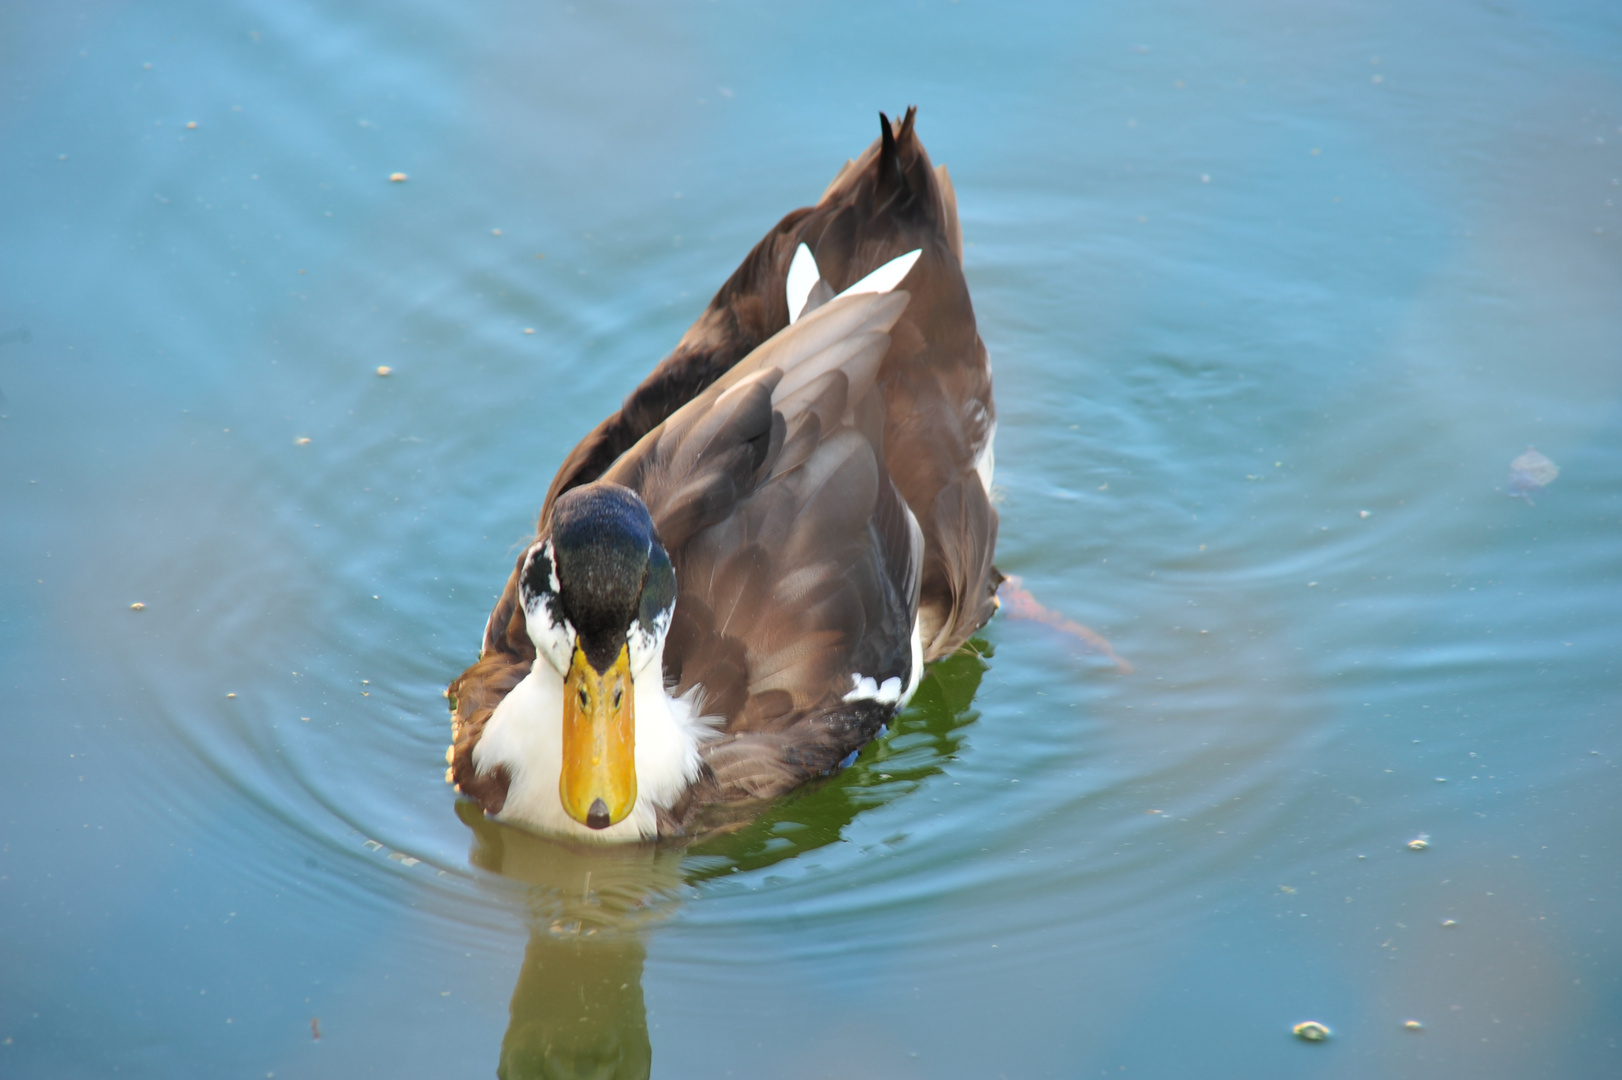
point(598, 785)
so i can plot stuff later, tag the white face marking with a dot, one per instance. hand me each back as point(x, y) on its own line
point(647, 650)
point(803, 276)
point(553, 639)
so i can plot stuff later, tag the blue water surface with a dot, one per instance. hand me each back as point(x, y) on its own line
point(1275, 293)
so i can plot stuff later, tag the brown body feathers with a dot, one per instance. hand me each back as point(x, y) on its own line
point(780, 479)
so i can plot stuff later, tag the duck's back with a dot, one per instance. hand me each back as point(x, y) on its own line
point(936, 378)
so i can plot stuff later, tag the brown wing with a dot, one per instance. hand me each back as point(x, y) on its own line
point(936, 379)
point(797, 563)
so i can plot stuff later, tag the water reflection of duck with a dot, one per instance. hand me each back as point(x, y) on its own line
point(577, 1009)
point(739, 576)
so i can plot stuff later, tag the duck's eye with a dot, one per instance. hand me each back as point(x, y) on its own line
point(585, 702)
point(619, 694)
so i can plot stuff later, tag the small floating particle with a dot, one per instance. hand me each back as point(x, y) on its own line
point(1413, 1025)
point(1311, 1031)
point(1531, 472)
point(1312, 584)
point(232, 695)
point(137, 606)
point(529, 329)
point(315, 1028)
point(1362, 513)
point(1419, 843)
point(191, 125)
point(302, 440)
point(384, 370)
point(1450, 922)
point(306, 719)
point(398, 178)
point(1441, 779)
point(495, 232)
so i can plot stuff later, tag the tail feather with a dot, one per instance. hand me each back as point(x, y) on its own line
point(890, 184)
point(949, 222)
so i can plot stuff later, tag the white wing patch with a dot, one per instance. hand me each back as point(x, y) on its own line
point(803, 276)
point(986, 462)
point(887, 276)
point(867, 689)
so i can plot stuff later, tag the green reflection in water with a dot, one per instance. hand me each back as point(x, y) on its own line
point(919, 743)
point(577, 1011)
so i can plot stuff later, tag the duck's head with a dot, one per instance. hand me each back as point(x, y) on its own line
point(598, 595)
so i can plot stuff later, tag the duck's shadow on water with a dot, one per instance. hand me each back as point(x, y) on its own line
point(577, 1010)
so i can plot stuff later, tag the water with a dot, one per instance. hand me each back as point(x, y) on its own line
point(1275, 294)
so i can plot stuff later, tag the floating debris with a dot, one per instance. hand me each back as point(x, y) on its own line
point(1531, 472)
point(1450, 922)
point(1311, 1031)
point(137, 606)
point(398, 178)
point(529, 329)
point(231, 695)
point(1413, 1025)
point(384, 370)
point(315, 1028)
point(302, 440)
point(1363, 513)
point(1419, 843)
point(191, 125)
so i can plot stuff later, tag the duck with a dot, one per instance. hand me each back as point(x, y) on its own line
point(737, 579)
